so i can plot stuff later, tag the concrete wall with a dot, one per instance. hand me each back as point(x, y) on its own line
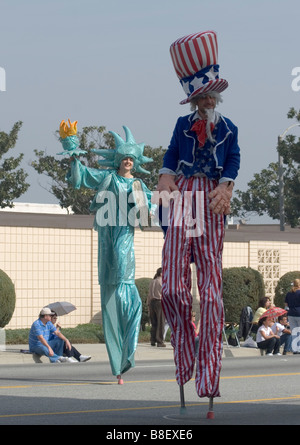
point(59, 263)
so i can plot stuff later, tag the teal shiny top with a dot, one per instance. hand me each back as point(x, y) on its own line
point(116, 215)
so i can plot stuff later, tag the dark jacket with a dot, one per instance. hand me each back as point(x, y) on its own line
point(246, 318)
point(184, 142)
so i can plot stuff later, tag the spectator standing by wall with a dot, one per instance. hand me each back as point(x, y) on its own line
point(155, 309)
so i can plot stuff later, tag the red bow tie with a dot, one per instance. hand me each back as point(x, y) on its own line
point(200, 129)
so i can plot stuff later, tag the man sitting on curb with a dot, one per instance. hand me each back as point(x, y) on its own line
point(39, 335)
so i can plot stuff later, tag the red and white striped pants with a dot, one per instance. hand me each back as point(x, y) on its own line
point(176, 291)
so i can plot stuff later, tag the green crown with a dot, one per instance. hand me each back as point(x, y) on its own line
point(124, 149)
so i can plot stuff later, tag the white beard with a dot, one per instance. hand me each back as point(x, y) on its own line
point(211, 119)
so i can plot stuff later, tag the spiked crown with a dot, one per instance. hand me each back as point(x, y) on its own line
point(124, 149)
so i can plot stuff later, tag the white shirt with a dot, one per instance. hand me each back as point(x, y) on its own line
point(267, 331)
point(277, 328)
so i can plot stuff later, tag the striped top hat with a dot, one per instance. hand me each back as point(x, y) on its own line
point(195, 59)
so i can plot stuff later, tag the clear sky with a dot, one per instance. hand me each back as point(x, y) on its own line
point(108, 63)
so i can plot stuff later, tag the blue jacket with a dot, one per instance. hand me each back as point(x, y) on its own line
point(180, 155)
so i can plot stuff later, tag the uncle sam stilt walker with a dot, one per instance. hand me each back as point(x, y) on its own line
point(203, 156)
point(118, 200)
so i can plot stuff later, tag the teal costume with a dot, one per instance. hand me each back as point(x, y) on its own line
point(115, 206)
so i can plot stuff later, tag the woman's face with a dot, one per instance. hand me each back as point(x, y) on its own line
point(127, 164)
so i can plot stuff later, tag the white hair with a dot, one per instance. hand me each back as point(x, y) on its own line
point(214, 94)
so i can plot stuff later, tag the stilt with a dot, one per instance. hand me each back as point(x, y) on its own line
point(182, 402)
point(120, 380)
point(211, 414)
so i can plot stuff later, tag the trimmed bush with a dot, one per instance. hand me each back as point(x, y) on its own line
point(143, 285)
point(242, 286)
point(83, 333)
point(7, 299)
point(284, 286)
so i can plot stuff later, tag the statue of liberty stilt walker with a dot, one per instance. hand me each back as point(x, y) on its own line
point(115, 207)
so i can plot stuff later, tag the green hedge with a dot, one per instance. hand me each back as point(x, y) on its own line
point(7, 299)
point(242, 286)
point(83, 333)
point(284, 286)
point(142, 285)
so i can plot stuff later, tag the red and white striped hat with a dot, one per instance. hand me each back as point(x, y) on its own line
point(195, 59)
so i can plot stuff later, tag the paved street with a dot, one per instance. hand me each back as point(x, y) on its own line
point(87, 394)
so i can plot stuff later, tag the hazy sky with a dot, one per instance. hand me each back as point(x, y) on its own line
point(108, 63)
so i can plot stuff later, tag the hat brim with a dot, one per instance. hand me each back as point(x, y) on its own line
point(217, 85)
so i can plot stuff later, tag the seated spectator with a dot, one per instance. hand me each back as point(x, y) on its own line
point(39, 338)
point(265, 337)
point(72, 354)
point(282, 329)
point(263, 304)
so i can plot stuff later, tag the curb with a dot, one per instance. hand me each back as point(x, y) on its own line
point(12, 354)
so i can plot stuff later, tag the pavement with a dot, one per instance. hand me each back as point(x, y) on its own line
point(11, 354)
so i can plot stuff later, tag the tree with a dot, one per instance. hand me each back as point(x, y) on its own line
point(143, 285)
point(262, 196)
point(284, 286)
point(289, 149)
point(157, 155)
point(90, 137)
point(12, 178)
point(7, 299)
point(242, 286)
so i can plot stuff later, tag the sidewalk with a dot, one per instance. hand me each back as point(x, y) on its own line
point(12, 355)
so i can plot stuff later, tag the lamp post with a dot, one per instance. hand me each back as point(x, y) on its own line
point(281, 180)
